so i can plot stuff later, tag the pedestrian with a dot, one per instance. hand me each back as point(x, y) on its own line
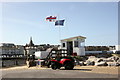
point(39, 63)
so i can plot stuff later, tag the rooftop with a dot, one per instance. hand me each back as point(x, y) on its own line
point(78, 37)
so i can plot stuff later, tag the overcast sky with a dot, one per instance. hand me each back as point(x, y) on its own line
point(97, 21)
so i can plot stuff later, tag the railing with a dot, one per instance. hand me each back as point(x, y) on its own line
point(12, 56)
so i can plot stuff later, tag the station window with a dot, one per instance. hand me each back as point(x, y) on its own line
point(63, 44)
point(75, 43)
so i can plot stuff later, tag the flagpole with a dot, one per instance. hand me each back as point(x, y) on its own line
point(59, 31)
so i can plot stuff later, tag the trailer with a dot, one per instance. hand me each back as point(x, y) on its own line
point(41, 54)
point(57, 59)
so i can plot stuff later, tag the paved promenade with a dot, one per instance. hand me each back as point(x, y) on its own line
point(77, 72)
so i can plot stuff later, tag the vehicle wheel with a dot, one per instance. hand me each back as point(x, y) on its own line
point(54, 66)
point(58, 67)
point(69, 66)
point(48, 66)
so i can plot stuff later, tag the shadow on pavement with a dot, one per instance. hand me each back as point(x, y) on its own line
point(80, 69)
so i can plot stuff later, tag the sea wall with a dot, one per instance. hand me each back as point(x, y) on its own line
point(14, 62)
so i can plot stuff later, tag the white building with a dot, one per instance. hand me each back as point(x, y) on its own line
point(74, 45)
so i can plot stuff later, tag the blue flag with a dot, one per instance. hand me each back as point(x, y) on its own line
point(59, 23)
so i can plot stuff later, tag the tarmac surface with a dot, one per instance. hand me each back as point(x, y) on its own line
point(77, 72)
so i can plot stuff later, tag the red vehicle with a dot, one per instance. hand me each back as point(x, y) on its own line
point(67, 62)
point(59, 58)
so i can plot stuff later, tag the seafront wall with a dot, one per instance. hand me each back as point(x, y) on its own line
point(14, 62)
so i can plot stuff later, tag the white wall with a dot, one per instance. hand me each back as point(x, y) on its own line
point(117, 47)
point(79, 51)
point(82, 51)
point(62, 45)
point(76, 50)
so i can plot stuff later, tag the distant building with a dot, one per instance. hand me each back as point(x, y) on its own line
point(99, 48)
point(11, 50)
point(30, 48)
point(111, 48)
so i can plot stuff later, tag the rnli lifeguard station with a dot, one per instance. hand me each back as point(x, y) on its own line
point(74, 45)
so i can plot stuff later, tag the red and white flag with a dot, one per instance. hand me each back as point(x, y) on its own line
point(51, 18)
